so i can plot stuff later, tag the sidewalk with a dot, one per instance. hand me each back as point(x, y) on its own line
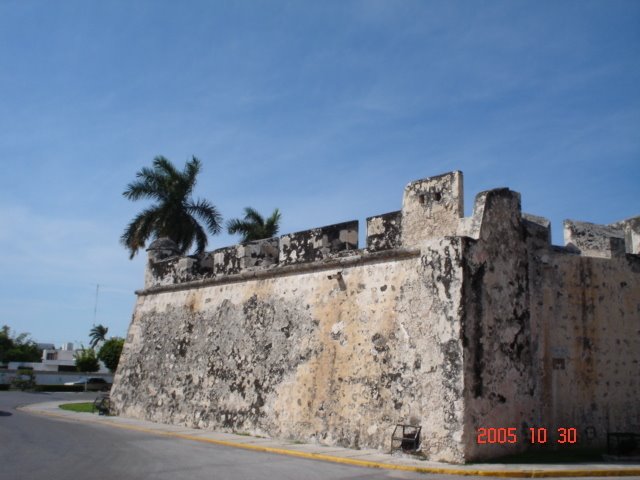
point(364, 458)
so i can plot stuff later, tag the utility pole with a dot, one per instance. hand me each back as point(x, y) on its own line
point(95, 307)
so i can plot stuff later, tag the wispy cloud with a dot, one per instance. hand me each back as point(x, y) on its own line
point(50, 270)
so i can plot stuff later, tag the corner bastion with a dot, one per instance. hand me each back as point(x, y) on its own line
point(449, 322)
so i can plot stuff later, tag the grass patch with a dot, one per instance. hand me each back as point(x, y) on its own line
point(86, 407)
point(245, 434)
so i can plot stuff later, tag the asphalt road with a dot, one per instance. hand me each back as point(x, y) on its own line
point(35, 447)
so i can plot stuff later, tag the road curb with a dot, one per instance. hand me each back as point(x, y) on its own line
point(522, 473)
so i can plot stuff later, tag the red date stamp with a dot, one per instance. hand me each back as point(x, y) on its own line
point(535, 435)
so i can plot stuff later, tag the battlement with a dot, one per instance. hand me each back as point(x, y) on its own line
point(431, 208)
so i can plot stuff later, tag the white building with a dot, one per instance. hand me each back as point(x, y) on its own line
point(55, 360)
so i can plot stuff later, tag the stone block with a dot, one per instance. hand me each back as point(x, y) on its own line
point(259, 253)
point(592, 240)
point(227, 260)
point(538, 230)
point(318, 243)
point(432, 207)
point(491, 208)
point(631, 229)
point(384, 231)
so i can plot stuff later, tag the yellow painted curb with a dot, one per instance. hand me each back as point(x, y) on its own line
point(625, 472)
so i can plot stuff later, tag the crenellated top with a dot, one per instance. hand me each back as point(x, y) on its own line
point(431, 208)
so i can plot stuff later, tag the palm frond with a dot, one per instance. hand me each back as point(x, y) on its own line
point(252, 215)
point(190, 174)
point(272, 225)
point(200, 236)
point(208, 213)
point(253, 226)
point(97, 334)
point(164, 166)
point(139, 230)
point(238, 226)
point(140, 189)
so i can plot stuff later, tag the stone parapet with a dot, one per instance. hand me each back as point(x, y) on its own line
point(432, 208)
point(234, 259)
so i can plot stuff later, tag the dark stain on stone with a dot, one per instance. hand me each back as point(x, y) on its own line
point(182, 347)
point(286, 331)
point(496, 397)
point(379, 343)
point(476, 343)
point(452, 363)
point(386, 379)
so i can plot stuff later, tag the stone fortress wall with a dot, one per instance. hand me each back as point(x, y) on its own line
point(449, 322)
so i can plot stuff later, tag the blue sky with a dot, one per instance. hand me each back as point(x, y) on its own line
point(323, 109)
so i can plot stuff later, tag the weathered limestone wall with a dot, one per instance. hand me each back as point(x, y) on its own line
point(590, 312)
point(331, 344)
point(449, 322)
point(327, 356)
point(552, 334)
point(499, 347)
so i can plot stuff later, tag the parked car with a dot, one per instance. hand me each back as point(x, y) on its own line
point(93, 384)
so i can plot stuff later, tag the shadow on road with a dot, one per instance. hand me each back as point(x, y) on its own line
point(5, 414)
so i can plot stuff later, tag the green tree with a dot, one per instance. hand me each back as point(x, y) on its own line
point(110, 352)
point(6, 343)
point(97, 334)
point(86, 360)
point(254, 226)
point(175, 214)
point(18, 348)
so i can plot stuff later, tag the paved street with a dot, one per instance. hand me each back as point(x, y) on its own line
point(33, 447)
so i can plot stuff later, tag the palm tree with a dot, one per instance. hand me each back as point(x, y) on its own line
point(254, 226)
point(175, 214)
point(97, 334)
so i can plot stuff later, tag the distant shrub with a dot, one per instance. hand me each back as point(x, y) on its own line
point(110, 352)
point(86, 360)
point(24, 379)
